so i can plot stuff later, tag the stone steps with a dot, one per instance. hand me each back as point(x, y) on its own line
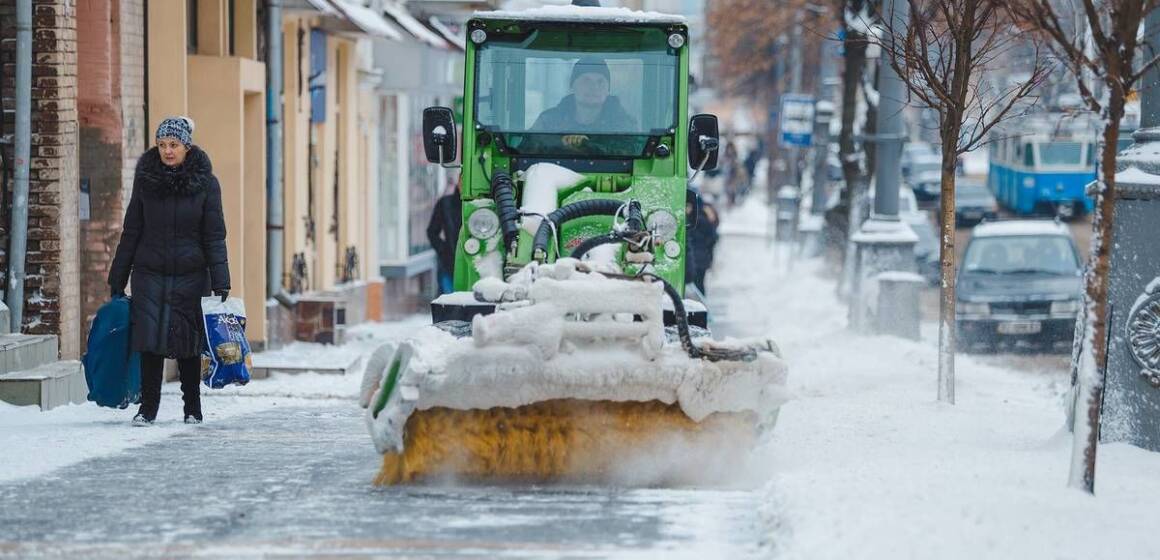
point(47, 386)
point(20, 352)
point(30, 373)
point(265, 364)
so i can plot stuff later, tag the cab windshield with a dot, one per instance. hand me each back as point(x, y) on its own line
point(575, 92)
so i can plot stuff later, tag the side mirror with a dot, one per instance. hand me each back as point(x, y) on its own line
point(703, 142)
point(439, 135)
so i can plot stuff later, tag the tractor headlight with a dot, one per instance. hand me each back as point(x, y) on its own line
point(483, 223)
point(1029, 182)
point(1065, 307)
point(974, 308)
point(676, 40)
point(471, 246)
point(663, 225)
point(478, 36)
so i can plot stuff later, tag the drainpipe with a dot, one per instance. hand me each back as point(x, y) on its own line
point(274, 147)
point(18, 232)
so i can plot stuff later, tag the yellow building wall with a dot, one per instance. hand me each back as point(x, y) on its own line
point(225, 96)
point(339, 146)
point(352, 153)
point(230, 111)
point(296, 140)
point(325, 257)
point(168, 71)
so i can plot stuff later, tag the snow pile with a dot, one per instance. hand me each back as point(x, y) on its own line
point(866, 464)
point(542, 185)
point(583, 14)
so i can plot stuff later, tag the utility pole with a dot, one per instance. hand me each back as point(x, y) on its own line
point(18, 233)
point(884, 242)
point(1131, 400)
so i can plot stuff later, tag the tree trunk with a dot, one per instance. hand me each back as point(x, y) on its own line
point(1090, 366)
point(852, 171)
point(946, 325)
point(855, 63)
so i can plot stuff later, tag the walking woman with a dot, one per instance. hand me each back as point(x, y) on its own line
point(173, 250)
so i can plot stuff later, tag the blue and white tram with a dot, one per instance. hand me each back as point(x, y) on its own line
point(1044, 172)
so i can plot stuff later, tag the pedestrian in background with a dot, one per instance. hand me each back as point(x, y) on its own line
point(172, 253)
point(443, 233)
point(701, 240)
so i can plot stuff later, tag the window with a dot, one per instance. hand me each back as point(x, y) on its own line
point(191, 26)
point(1061, 153)
point(1028, 155)
point(231, 26)
point(558, 83)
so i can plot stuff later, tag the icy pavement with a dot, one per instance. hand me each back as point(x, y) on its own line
point(295, 481)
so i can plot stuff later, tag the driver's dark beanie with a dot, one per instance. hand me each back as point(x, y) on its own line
point(590, 65)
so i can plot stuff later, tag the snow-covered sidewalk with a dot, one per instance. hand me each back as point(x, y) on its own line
point(866, 464)
point(34, 443)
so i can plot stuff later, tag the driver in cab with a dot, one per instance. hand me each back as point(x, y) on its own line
point(589, 108)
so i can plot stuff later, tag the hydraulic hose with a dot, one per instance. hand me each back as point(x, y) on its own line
point(594, 242)
point(635, 219)
point(504, 193)
point(568, 212)
point(694, 351)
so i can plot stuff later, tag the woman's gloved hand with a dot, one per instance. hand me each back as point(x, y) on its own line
point(224, 294)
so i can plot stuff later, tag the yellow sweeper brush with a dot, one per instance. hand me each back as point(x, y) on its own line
point(573, 378)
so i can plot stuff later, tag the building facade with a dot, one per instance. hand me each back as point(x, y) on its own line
point(356, 194)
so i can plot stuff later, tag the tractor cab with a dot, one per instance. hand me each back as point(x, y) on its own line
point(574, 129)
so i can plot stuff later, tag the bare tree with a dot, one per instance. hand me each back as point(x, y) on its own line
point(1098, 41)
point(941, 50)
point(856, 18)
point(749, 43)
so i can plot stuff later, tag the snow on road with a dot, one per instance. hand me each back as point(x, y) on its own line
point(866, 463)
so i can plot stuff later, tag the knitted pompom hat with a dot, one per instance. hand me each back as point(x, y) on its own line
point(180, 128)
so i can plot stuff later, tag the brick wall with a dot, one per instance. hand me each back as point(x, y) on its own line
point(110, 36)
point(52, 284)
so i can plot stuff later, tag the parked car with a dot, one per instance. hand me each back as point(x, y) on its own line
point(1020, 283)
point(913, 150)
point(974, 203)
point(924, 175)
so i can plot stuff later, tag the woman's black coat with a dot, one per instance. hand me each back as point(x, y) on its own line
point(173, 246)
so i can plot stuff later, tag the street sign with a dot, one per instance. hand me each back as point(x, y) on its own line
point(797, 120)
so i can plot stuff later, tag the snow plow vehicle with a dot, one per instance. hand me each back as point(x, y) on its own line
point(567, 351)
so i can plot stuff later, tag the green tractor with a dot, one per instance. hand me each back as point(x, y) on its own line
point(568, 349)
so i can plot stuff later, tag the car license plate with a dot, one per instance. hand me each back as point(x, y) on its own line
point(1020, 327)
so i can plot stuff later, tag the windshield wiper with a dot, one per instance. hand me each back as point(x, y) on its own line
point(982, 271)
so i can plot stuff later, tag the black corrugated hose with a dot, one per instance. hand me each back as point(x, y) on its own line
point(568, 212)
point(504, 194)
point(594, 242)
point(694, 351)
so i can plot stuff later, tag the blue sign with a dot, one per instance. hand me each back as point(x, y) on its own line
point(796, 128)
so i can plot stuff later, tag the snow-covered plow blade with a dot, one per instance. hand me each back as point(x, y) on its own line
point(573, 377)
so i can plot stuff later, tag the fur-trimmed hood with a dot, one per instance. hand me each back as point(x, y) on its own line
point(194, 175)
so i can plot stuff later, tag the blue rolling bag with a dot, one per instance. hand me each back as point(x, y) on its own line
point(112, 368)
